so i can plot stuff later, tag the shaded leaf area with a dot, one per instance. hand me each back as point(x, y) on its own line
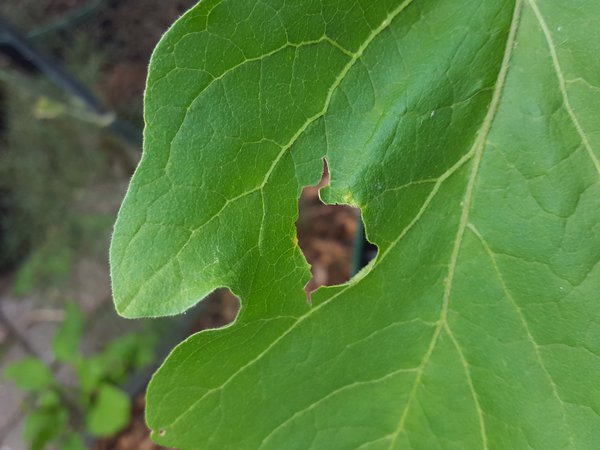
point(466, 133)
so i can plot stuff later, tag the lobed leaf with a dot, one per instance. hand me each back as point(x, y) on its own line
point(466, 131)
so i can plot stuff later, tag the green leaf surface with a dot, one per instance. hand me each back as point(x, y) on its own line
point(43, 426)
point(92, 371)
point(68, 335)
point(467, 133)
point(110, 411)
point(30, 374)
point(73, 442)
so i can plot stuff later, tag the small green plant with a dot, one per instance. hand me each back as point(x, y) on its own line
point(467, 133)
point(63, 413)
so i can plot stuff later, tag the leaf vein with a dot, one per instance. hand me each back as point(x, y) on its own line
point(523, 321)
point(385, 23)
point(465, 365)
point(563, 84)
point(333, 393)
point(477, 151)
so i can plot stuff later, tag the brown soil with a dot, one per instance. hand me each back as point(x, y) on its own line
point(326, 236)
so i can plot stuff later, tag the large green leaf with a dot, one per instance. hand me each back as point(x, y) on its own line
point(466, 131)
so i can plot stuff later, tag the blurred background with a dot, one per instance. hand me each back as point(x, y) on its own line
point(72, 373)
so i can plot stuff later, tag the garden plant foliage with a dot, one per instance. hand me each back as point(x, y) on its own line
point(60, 413)
point(467, 133)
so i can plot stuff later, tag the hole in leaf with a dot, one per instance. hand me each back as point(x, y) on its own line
point(219, 309)
point(327, 237)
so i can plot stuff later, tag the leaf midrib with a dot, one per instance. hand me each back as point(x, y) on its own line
point(477, 151)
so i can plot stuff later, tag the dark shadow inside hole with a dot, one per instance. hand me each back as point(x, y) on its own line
point(364, 252)
point(327, 235)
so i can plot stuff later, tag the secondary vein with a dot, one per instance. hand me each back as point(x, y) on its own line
point(562, 83)
point(524, 323)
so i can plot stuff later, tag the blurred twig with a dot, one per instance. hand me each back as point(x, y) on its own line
point(15, 39)
point(51, 69)
point(42, 315)
point(72, 19)
point(49, 108)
